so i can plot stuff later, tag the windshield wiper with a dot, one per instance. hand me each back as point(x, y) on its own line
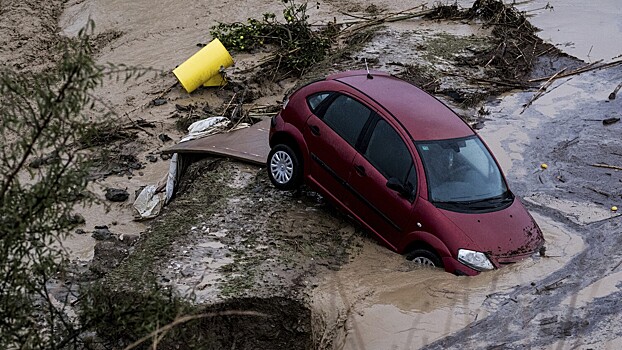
point(484, 203)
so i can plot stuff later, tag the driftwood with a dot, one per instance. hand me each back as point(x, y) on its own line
point(612, 96)
point(586, 68)
point(542, 90)
point(606, 166)
point(356, 26)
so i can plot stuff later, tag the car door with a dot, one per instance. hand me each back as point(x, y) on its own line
point(332, 133)
point(384, 156)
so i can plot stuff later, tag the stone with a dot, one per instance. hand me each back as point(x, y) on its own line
point(107, 256)
point(116, 195)
point(159, 101)
point(164, 137)
point(102, 233)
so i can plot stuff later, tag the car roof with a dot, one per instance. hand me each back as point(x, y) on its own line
point(422, 115)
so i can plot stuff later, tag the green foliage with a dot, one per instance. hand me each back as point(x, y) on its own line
point(296, 45)
point(123, 316)
point(43, 176)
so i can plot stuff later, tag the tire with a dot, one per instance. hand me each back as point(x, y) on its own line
point(284, 168)
point(425, 258)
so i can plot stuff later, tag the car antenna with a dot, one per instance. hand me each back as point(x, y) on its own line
point(369, 76)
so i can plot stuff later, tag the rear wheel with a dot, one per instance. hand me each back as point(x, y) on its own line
point(424, 257)
point(284, 168)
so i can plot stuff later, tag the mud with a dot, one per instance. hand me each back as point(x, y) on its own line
point(230, 237)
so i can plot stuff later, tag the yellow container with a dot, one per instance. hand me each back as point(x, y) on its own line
point(204, 67)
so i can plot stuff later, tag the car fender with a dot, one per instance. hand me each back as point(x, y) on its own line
point(292, 132)
point(429, 239)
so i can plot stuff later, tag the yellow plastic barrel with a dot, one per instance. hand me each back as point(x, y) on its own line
point(204, 66)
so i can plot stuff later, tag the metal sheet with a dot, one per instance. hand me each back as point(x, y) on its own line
point(249, 144)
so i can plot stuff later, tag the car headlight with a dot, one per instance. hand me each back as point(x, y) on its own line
point(475, 260)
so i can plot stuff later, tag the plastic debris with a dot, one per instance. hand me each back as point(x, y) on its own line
point(149, 202)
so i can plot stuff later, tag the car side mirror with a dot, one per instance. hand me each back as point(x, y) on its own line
point(398, 187)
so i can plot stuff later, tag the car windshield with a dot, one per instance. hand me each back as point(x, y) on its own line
point(462, 171)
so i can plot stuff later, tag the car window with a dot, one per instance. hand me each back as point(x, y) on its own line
point(315, 100)
point(347, 117)
point(388, 153)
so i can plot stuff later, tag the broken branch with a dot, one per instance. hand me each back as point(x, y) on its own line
point(542, 89)
point(586, 68)
point(599, 165)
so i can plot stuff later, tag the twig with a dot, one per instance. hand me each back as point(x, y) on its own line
point(553, 285)
point(394, 17)
point(542, 90)
point(599, 165)
point(617, 265)
point(586, 68)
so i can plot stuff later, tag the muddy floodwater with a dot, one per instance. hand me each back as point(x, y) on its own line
point(399, 305)
point(389, 304)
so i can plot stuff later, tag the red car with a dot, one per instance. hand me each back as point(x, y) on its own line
point(406, 167)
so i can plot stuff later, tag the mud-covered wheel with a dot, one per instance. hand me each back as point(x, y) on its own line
point(284, 168)
point(424, 257)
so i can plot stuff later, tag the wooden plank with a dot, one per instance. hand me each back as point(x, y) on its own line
point(248, 145)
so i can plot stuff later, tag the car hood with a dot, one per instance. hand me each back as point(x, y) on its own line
point(505, 235)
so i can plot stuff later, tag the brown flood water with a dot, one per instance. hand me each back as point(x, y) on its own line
point(394, 304)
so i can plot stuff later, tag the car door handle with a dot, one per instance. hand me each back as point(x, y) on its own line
point(360, 170)
point(314, 130)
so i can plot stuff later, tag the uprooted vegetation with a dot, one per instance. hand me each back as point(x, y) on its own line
point(466, 68)
point(296, 46)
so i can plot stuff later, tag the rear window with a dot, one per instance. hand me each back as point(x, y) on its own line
point(315, 100)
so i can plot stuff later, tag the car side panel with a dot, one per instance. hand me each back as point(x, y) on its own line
point(442, 234)
point(331, 158)
point(390, 214)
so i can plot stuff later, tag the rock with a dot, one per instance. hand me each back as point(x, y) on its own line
point(182, 108)
point(80, 231)
point(107, 256)
point(102, 233)
point(159, 101)
point(116, 195)
point(128, 238)
point(152, 158)
point(165, 156)
point(76, 219)
point(164, 137)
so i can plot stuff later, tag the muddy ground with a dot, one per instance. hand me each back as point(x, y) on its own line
point(230, 240)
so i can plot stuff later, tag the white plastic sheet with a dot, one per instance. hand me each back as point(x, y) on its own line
point(149, 202)
point(204, 127)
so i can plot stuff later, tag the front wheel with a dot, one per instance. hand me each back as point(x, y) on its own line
point(425, 258)
point(284, 168)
